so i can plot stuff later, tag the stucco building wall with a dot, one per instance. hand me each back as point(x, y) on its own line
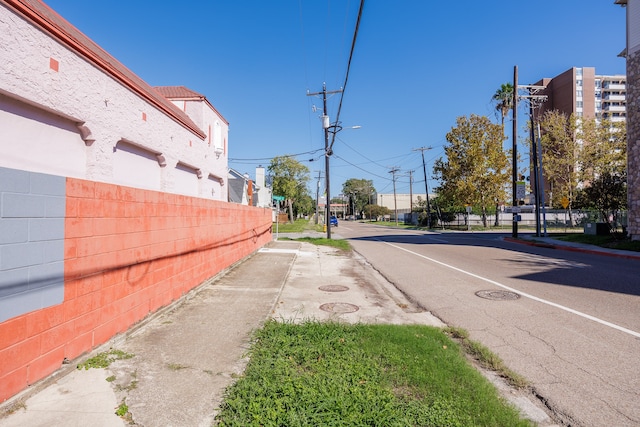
point(112, 199)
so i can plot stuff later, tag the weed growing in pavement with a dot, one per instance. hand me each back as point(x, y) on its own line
point(12, 408)
point(104, 359)
point(176, 366)
point(331, 373)
point(123, 412)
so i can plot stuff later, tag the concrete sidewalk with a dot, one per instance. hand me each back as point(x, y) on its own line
point(187, 354)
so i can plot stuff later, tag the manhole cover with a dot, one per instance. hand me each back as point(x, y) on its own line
point(339, 307)
point(498, 295)
point(334, 288)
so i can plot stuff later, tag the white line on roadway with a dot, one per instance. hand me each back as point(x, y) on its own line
point(553, 304)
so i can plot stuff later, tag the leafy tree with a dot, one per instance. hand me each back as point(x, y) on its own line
point(604, 149)
point(503, 99)
point(375, 211)
point(476, 170)
point(360, 192)
point(290, 179)
point(607, 194)
point(305, 205)
point(560, 155)
point(603, 166)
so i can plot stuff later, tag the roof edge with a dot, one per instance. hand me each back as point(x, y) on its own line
point(26, 10)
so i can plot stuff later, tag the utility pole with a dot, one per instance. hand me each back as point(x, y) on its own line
point(318, 198)
point(411, 195)
point(393, 171)
point(535, 101)
point(326, 124)
point(426, 184)
point(514, 154)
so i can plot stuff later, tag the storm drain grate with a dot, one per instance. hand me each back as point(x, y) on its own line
point(498, 295)
point(333, 288)
point(339, 307)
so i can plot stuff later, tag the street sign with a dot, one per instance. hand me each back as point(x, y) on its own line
point(565, 202)
point(520, 190)
point(278, 198)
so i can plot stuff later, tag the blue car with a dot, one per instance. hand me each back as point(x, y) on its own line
point(333, 221)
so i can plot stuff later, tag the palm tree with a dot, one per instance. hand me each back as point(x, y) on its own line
point(504, 100)
point(504, 103)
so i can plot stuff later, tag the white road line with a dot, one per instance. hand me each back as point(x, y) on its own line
point(553, 304)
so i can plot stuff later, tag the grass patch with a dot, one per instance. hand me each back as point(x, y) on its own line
point(298, 226)
point(337, 374)
point(334, 243)
point(485, 357)
point(611, 241)
point(104, 359)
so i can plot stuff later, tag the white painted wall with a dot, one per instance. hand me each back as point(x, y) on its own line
point(79, 92)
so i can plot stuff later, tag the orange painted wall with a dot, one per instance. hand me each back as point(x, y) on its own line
point(128, 252)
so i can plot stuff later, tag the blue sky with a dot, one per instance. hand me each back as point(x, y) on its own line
point(417, 66)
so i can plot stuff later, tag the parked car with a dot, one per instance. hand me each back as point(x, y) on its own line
point(333, 221)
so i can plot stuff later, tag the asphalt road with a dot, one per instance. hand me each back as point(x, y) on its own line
point(568, 322)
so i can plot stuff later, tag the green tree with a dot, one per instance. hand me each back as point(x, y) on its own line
point(375, 211)
point(603, 149)
point(607, 194)
point(560, 156)
point(476, 170)
point(305, 205)
point(360, 192)
point(290, 179)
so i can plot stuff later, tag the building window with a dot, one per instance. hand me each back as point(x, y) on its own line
point(579, 104)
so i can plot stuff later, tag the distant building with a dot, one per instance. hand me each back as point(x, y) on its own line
point(402, 202)
point(239, 185)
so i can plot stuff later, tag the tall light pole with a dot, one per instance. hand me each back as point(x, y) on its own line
point(426, 184)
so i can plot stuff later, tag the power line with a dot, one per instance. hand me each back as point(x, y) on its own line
point(346, 77)
point(270, 158)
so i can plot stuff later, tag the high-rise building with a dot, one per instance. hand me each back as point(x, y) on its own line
point(582, 92)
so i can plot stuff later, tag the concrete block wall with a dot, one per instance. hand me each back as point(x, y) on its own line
point(32, 212)
point(126, 253)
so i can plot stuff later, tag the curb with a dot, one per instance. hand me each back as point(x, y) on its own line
point(572, 248)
